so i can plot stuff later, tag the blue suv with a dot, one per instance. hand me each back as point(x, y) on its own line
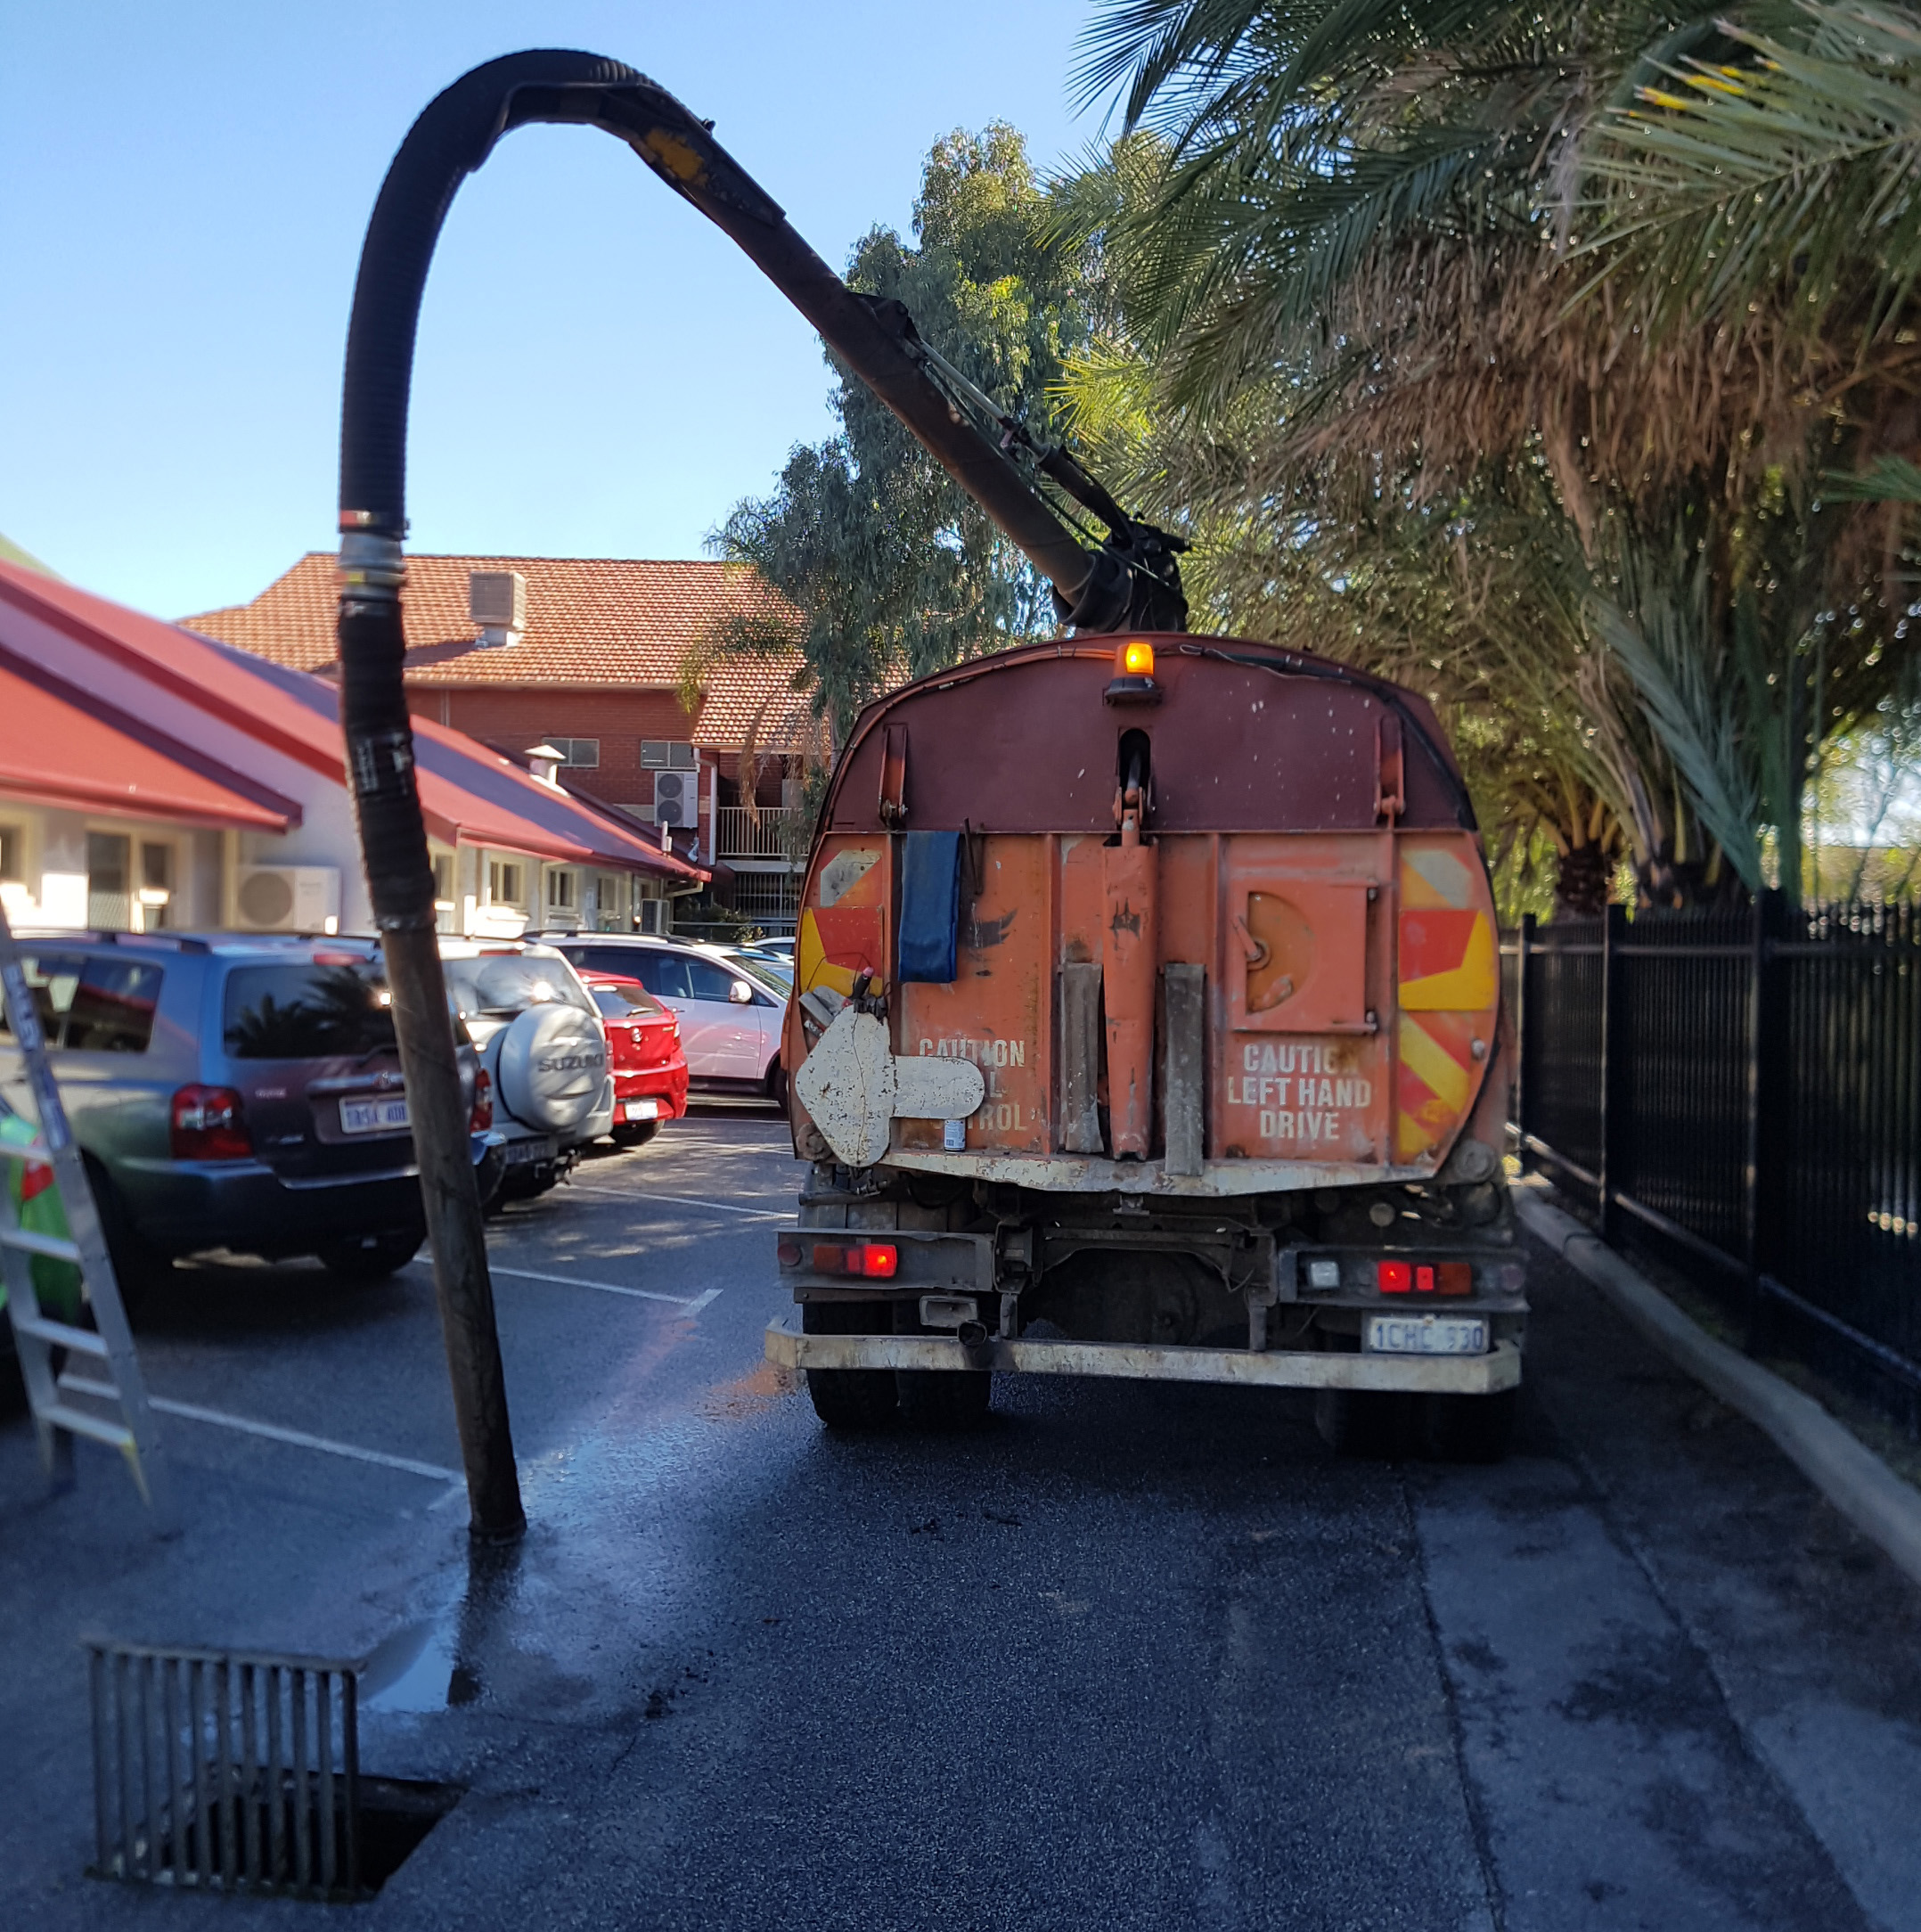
point(236, 1092)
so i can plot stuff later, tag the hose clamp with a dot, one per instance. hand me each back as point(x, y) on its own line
point(371, 567)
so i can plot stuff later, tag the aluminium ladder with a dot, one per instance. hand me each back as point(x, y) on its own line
point(58, 1418)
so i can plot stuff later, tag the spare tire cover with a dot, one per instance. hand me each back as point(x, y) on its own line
point(553, 1066)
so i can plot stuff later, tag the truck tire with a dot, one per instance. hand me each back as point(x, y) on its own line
point(1375, 1425)
point(1472, 1428)
point(944, 1398)
point(847, 1399)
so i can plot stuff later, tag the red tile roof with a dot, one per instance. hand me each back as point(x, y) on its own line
point(467, 791)
point(618, 621)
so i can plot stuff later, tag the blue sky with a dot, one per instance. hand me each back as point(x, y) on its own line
point(183, 189)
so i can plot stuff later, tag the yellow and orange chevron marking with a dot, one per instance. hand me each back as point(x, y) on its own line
point(1449, 976)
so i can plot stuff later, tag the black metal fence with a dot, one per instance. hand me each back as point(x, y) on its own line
point(1745, 1088)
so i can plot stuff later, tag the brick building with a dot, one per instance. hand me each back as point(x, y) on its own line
point(587, 656)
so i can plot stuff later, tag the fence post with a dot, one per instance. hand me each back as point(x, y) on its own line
point(1524, 947)
point(1759, 1133)
point(1613, 982)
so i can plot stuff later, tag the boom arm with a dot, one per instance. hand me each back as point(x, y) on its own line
point(1129, 581)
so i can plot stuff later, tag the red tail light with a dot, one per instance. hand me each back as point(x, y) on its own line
point(1424, 1278)
point(35, 1176)
point(482, 1117)
point(207, 1125)
point(1456, 1277)
point(877, 1259)
point(1393, 1277)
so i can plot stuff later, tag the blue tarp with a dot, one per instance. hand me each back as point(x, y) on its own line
point(930, 908)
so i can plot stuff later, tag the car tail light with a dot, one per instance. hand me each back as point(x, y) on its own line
point(35, 1176)
point(877, 1259)
point(1424, 1280)
point(1393, 1277)
point(207, 1124)
point(482, 1117)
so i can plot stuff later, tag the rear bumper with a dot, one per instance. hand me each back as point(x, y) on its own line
point(1460, 1375)
point(181, 1206)
point(667, 1084)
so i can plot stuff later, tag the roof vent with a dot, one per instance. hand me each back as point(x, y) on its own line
point(497, 601)
point(544, 762)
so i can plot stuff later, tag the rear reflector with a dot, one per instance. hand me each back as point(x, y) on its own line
point(1393, 1277)
point(1456, 1278)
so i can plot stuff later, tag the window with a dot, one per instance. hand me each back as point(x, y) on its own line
point(156, 884)
point(663, 974)
point(660, 755)
point(496, 986)
point(443, 877)
point(708, 981)
point(504, 885)
point(110, 905)
point(13, 855)
point(585, 751)
point(93, 1005)
point(562, 888)
point(301, 1011)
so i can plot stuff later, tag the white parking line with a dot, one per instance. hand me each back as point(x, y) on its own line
point(682, 1200)
point(692, 1304)
point(271, 1431)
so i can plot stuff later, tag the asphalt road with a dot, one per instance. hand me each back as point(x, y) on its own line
point(1131, 1656)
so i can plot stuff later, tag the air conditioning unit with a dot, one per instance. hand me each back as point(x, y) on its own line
point(676, 797)
point(288, 898)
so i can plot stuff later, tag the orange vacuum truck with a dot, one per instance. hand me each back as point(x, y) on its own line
point(1147, 1017)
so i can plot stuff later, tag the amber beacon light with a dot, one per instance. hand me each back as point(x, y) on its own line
point(1134, 679)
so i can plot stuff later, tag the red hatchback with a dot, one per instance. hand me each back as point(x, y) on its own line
point(650, 1066)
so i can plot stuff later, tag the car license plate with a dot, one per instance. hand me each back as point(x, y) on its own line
point(521, 1152)
point(1426, 1334)
point(644, 1109)
point(374, 1116)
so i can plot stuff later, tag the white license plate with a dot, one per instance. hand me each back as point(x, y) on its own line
point(374, 1116)
point(521, 1152)
point(644, 1109)
point(1426, 1334)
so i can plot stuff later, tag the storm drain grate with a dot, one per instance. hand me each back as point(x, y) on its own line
point(237, 1773)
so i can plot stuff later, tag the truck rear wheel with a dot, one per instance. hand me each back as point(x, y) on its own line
point(1373, 1424)
point(1472, 1428)
point(944, 1398)
point(847, 1399)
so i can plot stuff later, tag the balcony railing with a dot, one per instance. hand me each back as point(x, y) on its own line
point(736, 836)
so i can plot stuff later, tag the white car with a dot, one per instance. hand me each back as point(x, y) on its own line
point(541, 1047)
point(730, 1017)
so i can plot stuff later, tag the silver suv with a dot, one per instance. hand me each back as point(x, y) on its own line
point(235, 1093)
point(544, 1052)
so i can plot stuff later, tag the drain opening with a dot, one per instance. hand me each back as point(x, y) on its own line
point(232, 1773)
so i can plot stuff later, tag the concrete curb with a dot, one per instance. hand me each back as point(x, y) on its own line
point(1885, 1508)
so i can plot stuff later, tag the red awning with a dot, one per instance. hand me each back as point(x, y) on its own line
point(468, 794)
point(68, 747)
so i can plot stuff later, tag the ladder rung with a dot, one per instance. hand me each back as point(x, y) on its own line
point(116, 1434)
point(54, 1246)
point(83, 1341)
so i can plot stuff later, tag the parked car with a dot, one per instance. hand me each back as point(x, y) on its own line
point(233, 1092)
point(774, 972)
point(542, 1045)
point(730, 1019)
point(779, 947)
point(650, 1067)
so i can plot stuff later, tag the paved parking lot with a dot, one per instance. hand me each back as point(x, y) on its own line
point(1129, 1656)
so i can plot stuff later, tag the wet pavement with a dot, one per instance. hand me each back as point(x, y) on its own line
point(1131, 1656)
